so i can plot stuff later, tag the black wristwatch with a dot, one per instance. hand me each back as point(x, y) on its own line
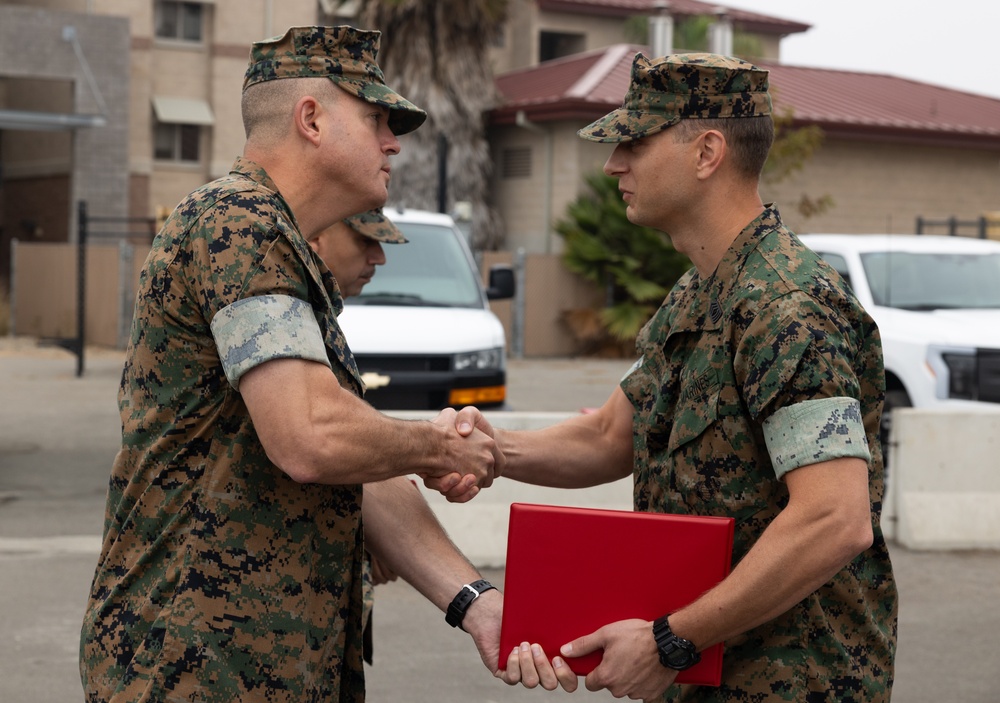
point(675, 652)
point(460, 603)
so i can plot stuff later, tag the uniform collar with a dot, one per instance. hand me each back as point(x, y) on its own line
point(256, 173)
point(710, 296)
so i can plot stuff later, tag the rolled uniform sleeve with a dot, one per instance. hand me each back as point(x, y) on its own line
point(801, 385)
point(814, 431)
point(255, 330)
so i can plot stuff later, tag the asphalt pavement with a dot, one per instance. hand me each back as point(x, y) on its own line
point(59, 434)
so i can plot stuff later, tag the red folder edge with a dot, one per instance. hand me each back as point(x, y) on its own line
point(573, 570)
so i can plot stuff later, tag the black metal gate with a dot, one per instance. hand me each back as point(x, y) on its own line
point(109, 227)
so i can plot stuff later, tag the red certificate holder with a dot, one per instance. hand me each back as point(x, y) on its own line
point(571, 571)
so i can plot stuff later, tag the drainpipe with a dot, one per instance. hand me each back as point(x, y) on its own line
point(720, 34)
point(661, 29)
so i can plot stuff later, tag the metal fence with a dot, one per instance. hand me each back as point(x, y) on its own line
point(982, 227)
point(74, 294)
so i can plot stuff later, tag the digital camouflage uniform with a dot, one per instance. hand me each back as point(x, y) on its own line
point(767, 365)
point(772, 328)
point(220, 578)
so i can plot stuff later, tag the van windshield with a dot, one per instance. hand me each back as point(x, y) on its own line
point(933, 281)
point(431, 269)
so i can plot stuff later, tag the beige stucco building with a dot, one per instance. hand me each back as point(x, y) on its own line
point(128, 105)
point(894, 150)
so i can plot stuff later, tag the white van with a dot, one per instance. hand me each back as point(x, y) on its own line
point(936, 301)
point(422, 331)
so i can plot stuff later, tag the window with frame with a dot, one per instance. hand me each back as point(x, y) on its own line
point(182, 21)
point(177, 142)
point(515, 162)
point(555, 45)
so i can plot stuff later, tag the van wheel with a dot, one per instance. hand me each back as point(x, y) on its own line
point(893, 399)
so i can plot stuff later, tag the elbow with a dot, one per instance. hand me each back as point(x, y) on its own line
point(301, 473)
point(856, 536)
point(864, 537)
point(291, 455)
point(296, 467)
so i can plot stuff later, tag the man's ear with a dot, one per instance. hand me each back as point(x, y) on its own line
point(712, 150)
point(306, 118)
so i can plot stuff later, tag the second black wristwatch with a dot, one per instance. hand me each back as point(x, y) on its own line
point(469, 592)
point(675, 652)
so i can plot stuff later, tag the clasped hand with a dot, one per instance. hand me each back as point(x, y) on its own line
point(477, 458)
point(630, 665)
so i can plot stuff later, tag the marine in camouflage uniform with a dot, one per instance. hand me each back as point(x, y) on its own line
point(767, 365)
point(221, 578)
point(760, 364)
point(200, 524)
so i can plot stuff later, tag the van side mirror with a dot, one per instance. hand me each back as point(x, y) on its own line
point(501, 282)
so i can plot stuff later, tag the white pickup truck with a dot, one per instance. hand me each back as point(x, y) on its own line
point(936, 301)
point(421, 331)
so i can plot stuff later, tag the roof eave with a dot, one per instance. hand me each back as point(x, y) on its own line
point(588, 111)
point(904, 135)
point(549, 111)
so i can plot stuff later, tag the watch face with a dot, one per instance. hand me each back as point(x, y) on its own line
point(675, 652)
point(678, 658)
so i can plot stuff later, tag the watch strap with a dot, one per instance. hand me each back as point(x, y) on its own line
point(675, 652)
point(465, 597)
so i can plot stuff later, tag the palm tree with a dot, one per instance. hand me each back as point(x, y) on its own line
point(435, 53)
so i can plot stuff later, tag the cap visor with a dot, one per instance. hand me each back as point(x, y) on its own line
point(404, 116)
point(623, 125)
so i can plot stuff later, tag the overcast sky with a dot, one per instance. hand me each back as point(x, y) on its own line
point(955, 45)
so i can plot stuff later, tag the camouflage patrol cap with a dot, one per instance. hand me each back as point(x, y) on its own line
point(665, 91)
point(374, 225)
point(343, 54)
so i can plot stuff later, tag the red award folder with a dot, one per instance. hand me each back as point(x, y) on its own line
point(571, 571)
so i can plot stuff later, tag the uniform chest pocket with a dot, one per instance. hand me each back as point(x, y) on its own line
point(697, 409)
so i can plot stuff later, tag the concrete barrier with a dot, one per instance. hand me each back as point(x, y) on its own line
point(479, 528)
point(944, 485)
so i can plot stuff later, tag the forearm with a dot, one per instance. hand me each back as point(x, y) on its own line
point(586, 450)
point(805, 546)
point(352, 442)
point(319, 432)
point(403, 532)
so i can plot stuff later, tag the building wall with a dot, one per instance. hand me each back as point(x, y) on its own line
point(45, 288)
point(598, 31)
point(559, 160)
point(884, 187)
point(875, 187)
point(46, 173)
point(212, 71)
point(145, 67)
point(520, 197)
point(520, 46)
point(525, 23)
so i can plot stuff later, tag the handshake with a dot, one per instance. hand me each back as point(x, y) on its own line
point(472, 455)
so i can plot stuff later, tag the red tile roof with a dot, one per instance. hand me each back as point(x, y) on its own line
point(750, 21)
point(844, 103)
